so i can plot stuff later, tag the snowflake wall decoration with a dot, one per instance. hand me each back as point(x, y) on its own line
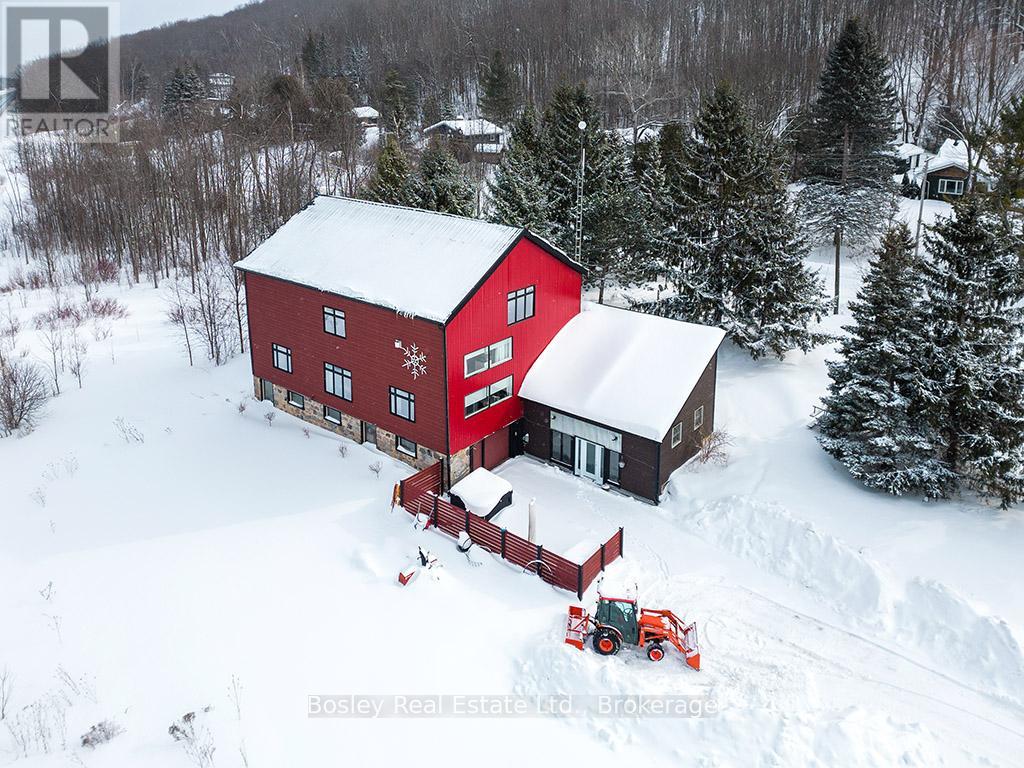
point(415, 360)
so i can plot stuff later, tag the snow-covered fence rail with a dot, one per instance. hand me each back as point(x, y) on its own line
point(420, 494)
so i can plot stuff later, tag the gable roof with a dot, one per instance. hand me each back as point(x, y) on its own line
point(626, 370)
point(467, 127)
point(418, 262)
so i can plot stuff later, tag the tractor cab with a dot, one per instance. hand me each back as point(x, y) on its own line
point(620, 614)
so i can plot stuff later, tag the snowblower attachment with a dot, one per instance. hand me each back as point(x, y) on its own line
point(577, 627)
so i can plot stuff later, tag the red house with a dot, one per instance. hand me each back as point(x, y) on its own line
point(412, 330)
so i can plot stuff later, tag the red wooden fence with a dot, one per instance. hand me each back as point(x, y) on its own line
point(420, 494)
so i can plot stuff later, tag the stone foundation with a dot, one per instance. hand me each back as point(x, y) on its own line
point(460, 465)
point(387, 443)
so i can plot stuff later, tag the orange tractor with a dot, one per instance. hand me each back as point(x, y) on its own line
point(616, 623)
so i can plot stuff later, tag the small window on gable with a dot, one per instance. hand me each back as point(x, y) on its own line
point(698, 418)
point(521, 304)
point(334, 322)
point(677, 434)
point(282, 358)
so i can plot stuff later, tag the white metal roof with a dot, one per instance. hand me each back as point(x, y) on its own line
point(414, 261)
point(466, 127)
point(365, 112)
point(623, 369)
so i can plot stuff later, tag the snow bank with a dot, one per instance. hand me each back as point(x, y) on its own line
point(767, 535)
point(928, 617)
point(933, 617)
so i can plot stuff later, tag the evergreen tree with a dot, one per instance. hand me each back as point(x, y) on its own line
point(318, 61)
point(874, 420)
point(1008, 156)
point(442, 184)
point(518, 196)
point(184, 92)
point(334, 124)
point(736, 254)
point(973, 365)
point(500, 93)
point(849, 192)
point(396, 112)
point(605, 191)
point(646, 214)
point(392, 180)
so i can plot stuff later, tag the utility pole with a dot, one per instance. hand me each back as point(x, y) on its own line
point(579, 192)
point(920, 208)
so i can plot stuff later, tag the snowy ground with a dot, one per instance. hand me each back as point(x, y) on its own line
point(139, 577)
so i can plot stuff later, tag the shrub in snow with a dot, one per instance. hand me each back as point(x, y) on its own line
point(342, 451)
point(269, 416)
point(128, 431)
point(713, 447)
point(101, 733)
point(105, 308)
point(305, 431)
point(241, 407)
point(23, 393)
point(376, 467)
point(195, 738)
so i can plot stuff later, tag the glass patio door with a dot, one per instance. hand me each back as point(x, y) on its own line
point(589, 460)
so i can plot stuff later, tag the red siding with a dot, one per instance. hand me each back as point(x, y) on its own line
point(484, 320)
point(292, 315)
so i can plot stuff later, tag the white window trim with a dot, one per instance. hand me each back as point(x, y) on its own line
point(401, 449)
point(677, 434)
point(292, 403)
point(484, 393)
point(336, 315)
point(286, 354)
point(698, 423)
point(486, 352)
point(945, 184)
point(329, 418)
point(500, 384)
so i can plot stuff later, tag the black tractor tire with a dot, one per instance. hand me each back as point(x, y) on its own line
point(655, 651)
point(607, 642)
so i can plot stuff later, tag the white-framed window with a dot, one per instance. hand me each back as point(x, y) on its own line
point(334, 321)
point(677, 434)
point(403, 404)
point(476, 362)
point(282, 358)
point(480, 360)
point(520, 304)
point(408, 447)
point(698, 418)
point(501, 352)
point(951, 186)
point(297, 400)
point(487, 396)
point(332, 415)
point(338, 381)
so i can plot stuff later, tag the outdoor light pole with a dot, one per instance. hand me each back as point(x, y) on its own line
point(920, 208)
point(579, 191)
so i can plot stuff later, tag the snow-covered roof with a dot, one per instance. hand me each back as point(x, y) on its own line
point(952, 154)
point(466, 127)
point(623, 369)
point(906, 150)
point(420, 262)
point(481, 490)
point(367, 113)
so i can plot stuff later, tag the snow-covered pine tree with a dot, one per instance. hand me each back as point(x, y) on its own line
point(318, 61)
point(392, 180)
point(874, 419)
point(442, 186)
point(849, 194)
point(973, 365)
point(605, 190)
point(517, 195)
point(1008, 154)
point(184, 91)
point(499, 96)
point(736, 255)
point(646, 215)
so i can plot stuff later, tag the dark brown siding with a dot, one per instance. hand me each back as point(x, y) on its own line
point(639, 476)
point(703, 394)
point(953, 173)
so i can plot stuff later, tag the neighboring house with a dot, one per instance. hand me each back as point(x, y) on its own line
point(907, 157)
point(416, 330)
point(946, 174)
point(470, 139)
point(367, 117)
point(219, 85)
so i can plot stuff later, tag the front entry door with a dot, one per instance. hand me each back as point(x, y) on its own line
point(268, 390)
point(589, 460)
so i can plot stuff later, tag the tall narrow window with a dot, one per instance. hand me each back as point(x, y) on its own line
point(282, 358)
point(338, 381)
point(698, 418)
point(677, 434)
point(561, 447)
point(403, 404)
point(520, 304)
point(334, 321)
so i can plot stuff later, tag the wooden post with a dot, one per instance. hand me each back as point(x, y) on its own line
point(540, 559)
point(435, 511)
point(622, 551)
point(579, 582)
point(502, 543)
point(467, 522)
point(602, 557)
